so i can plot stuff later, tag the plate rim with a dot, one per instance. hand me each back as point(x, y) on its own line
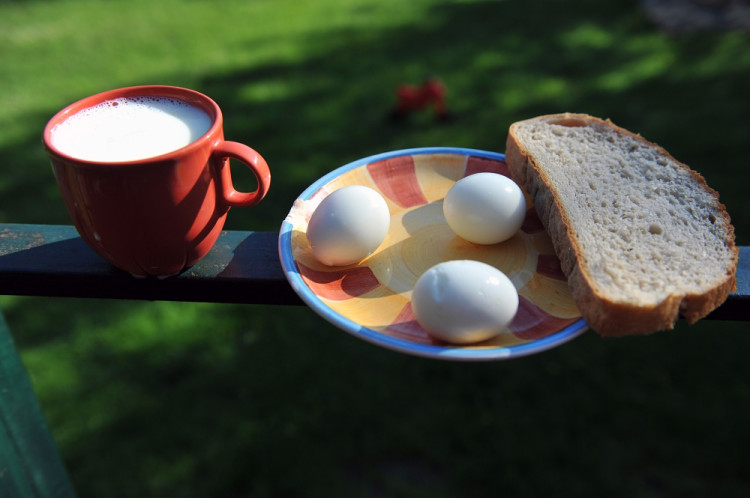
point(447, 352)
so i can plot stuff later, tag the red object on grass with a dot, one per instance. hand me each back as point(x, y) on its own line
point(413, 98)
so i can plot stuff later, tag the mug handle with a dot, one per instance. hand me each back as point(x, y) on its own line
point(254, 161)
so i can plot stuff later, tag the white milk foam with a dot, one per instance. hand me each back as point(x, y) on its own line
point(130, 128)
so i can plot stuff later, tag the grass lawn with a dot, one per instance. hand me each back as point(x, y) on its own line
point(154, 399)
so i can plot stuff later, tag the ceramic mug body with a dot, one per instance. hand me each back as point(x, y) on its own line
point(159, 215)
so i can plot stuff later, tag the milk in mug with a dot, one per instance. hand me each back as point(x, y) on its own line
point(130, 129)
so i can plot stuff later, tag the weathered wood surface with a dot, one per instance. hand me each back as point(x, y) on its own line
point(243, 267)
point(52, 260)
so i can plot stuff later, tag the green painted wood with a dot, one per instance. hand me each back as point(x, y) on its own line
point(52, 260)
point(30, 466)
point(243, 267)
point(737, 305)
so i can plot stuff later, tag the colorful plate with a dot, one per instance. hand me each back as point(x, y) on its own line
point(372, 299)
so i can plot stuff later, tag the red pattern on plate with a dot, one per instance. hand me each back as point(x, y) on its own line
point(397, 179)
point(531, 322)
point(476, 164)
point(339, 285)
point(531, 222)
point(549, 266)
point(405, 326)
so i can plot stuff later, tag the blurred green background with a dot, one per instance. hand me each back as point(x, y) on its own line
point(155, 399)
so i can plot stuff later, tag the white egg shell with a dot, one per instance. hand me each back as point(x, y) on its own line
point(463, 301)
point(485, 208)
point(348, 225)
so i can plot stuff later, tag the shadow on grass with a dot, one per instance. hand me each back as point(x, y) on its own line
point(239, 400)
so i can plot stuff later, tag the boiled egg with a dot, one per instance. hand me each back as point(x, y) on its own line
point(348, 225)
point(485, 208)
point(464, 301)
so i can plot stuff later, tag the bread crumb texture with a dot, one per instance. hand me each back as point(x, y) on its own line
point(648, 227)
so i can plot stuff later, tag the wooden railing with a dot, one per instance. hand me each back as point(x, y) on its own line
point(51, 260)
point(243, 267)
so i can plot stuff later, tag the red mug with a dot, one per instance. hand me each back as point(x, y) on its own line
point(162, 214)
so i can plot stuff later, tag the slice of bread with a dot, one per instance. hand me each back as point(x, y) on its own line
point(641, 237)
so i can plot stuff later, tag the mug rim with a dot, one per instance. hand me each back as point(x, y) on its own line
point(184, 94)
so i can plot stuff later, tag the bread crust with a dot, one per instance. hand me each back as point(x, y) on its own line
point(604, 315)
